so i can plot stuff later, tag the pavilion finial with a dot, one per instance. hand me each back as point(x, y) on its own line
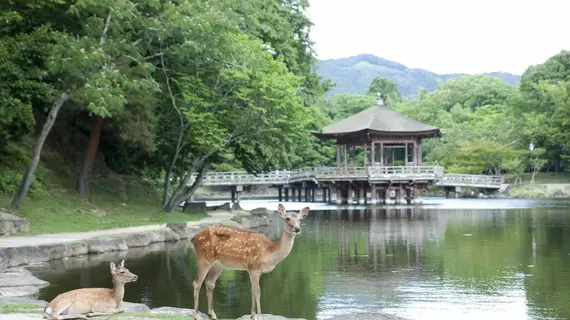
point(379, 100)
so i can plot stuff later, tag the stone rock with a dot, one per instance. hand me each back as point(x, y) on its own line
point(262, 212)
point(137, 240)
point(271, 317)
point(181, 228)
point(135, 307)
point(194, 207)
point(18, 282)
point(169, 235)
point(20, 300)
point(224, 207)
point(17, 256)
point(178, 311)
point(20, 291)
point(10, 224)
point(100, 245)
point(231, 223)
point(250, 222)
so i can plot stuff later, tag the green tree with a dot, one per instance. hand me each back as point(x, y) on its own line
point(93, 68)
point(387, 88)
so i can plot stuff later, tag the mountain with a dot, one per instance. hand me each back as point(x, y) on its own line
point(354, 75)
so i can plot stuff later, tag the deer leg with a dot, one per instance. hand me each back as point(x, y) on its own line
point(255, 293)
point(70, 316)
point(203, 269)
point(213, 275)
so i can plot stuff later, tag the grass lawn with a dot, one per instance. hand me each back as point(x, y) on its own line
point(542, 178)
point(66, 212)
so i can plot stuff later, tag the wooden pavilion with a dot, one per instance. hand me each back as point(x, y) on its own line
point(388, 138)
point(391, 144)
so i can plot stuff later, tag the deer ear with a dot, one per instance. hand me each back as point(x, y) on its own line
point(304, 212)
point(281, 210)
point(112, 265)
point(123, 263)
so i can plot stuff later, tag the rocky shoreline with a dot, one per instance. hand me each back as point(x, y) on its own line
point(20, 286)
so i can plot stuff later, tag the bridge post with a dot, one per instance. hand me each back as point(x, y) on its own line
point(361, 194)
point(313, 194)
point(286, 194)
point(280, 194)
point(409, 195)
point(418, 195)
point(398, 191)
point(349, 199)
point(324, 191)
point(339, 195)
point(233, 191)
point(373, 196)
point(387, 192)
point(300, 194)
point(293, 198)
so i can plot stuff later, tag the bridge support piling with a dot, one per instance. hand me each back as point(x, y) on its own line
point(373, 196)
point(361, 194)
point(387, 196)
point(280, 194)
point(339, 195)
point(418, 196)
point(286, 194)
point(409, 196)
point(233, 192)
point(349, 199)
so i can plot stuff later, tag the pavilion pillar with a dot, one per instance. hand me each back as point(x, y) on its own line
point(365, 155)
point(372, 154)
point(373, 196)
point(345, 156)
point(382, 154)
point(338, 155)
point(419, 153)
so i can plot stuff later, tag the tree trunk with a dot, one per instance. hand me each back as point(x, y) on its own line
point(184, 192)
point(166, 188)
point(84, 175)
point(33, 165)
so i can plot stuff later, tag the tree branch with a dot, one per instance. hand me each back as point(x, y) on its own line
point(105, 29)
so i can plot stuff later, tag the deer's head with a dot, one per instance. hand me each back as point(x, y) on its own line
point(121, 274)
point(292, 219)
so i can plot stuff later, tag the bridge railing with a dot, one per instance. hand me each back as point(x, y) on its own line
point(471, 180)
point(234, 178)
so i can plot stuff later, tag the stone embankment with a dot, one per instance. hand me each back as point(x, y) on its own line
point(19, 286)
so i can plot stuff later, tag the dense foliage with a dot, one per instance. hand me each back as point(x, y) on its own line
point(166, 90)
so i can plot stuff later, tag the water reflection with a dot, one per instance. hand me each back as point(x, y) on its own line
point(416, 262)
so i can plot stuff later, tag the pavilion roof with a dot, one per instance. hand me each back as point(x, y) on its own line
point(379, 119)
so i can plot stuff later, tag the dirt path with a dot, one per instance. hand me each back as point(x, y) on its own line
point(19, 241)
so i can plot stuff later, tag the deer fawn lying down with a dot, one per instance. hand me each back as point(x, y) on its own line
point(89, 302)
point(220, 247)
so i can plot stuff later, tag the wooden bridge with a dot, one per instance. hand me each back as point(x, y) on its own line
point(358, 179)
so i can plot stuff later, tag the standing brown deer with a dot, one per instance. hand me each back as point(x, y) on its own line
point(220, 247)
point(90, 302)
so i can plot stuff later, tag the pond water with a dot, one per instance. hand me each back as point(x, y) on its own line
point(446, 259)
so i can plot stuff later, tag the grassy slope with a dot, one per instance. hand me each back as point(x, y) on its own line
point(115, 201)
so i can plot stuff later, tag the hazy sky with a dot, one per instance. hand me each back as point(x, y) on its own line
point(443, 36)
